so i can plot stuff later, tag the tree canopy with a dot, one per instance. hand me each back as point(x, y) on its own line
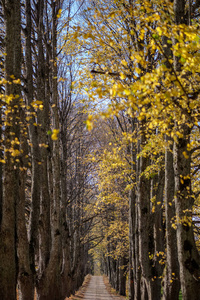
point(100, 147)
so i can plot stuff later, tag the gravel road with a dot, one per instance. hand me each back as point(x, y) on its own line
point(97, 291)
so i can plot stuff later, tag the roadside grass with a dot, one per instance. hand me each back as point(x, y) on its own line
point(80, 293)
point(111, 290)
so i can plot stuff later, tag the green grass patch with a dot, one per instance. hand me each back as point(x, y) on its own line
point(180, 295)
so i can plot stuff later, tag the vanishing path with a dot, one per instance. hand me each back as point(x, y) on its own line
point(96, 290)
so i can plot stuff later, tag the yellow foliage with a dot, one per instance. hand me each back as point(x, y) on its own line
point(89, 122)
point(54, 135)
point(15, 152)
point(59, 13)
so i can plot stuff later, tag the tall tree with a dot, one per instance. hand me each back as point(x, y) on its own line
point(188, 256)
point(8, 255)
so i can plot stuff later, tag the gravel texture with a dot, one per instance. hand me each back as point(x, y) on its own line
point(96, 290)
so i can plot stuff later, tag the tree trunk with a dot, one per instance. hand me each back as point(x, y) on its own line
point(25, 274)
point(49, 286)
point(137, 268)
point(188, 256)
point(66, 263)
point(144, 222)
point(43, 126)
point(171, 280)
point(35, 153)
point(158, 234)
point(131, 243)
point(122, 276)
point(136, 255)
point(8, 263)
point(1, 171)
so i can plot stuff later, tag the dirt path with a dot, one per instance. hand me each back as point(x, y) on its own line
point(96, 290)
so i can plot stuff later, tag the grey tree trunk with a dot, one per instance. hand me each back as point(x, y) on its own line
point(144, 222)
point(158, 233)
point(122, 276)
point(35, 153)
point(43, 124)
point(25, 274)
point(135, 271)
point(137, 268)
point(136, 256)
point(66, 262)
point(8, 263)
point(50, 284)
point(132, 270)
point(188, 256)
point(171, 280)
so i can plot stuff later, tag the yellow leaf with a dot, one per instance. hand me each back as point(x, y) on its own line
point(43, 145)
point(54, 135)
point(37, 102)
point(127, 92)
point(185, 155)
point(17, 81)
point(159, 30)
point(124, 63)
point(59, 13)
point(89, 123)
point(15, 152)
point(9, 98)
point(122, 76)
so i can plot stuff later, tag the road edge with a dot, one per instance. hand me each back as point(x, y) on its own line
point(81, 291)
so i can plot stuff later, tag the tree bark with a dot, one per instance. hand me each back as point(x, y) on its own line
point(158, 234)
point(25, 274)
point(132, 204)
point(8, 262)
point(188, 256)
point(122, 276)
point(144, 222)
point(50, 284)
point(171, 280)
point(35, 153)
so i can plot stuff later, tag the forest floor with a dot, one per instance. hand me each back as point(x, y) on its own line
point(80, 293)
point(111, 290)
